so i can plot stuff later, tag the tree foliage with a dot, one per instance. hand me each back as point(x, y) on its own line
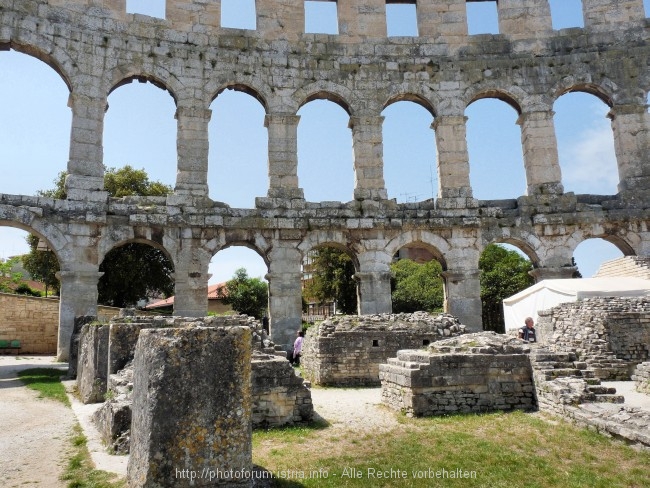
point(503, 273)
point(333, 279)
point(132, 272)
point(8, 278)
point(417, 286)
point(41, 265)
point(246, 295)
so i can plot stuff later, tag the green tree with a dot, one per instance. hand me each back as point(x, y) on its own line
point(132, 272)
point(333, 279)
point(41, 265)
point(417, 286)
point(246, 295)
point(8, 278)
point(503, 273)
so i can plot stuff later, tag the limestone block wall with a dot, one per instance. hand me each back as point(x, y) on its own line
point(630, 266)
point(279, 397)
point(610, 335)
point(34, 322)
point(347, 351)
point(470, 377)
point(641, 377)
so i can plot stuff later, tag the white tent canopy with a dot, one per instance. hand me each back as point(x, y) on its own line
point(549, 293)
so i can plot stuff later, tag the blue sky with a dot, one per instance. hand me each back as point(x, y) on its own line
point(140, 130)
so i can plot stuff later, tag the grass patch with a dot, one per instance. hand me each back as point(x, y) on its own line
point(47, 382)
point(79, 472)
point(499, 450)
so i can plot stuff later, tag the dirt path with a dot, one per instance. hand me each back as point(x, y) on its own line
point(34, 432)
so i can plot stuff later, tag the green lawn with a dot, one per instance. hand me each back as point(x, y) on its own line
point(492, 450)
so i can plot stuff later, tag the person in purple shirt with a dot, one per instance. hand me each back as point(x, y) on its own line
point(297, 348)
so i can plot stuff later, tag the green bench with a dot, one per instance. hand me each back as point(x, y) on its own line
point(14, 344)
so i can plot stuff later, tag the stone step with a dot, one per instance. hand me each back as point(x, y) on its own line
point(609, 399)
point(601, 390)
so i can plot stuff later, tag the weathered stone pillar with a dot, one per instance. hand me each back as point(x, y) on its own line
point(453, 158)
point(362, 19)
point(443, 19)
point(373, 289)
point(285, 294)
point(367, 142)
point(78, 297)
point(463, 297)
point(186, 14)
point(524, 19)
point(631, 126)
point(191, 294)
point(85, 180)
point(283, 156)
point(543, 174)
point(552, 273)
point(192, 147)
point(191, 422)
point(602, 14)
point(280, 19)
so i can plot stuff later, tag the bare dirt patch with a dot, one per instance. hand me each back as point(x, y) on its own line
point(34, 438)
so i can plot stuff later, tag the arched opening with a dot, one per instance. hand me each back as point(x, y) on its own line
point(147, 141)
point(28, 289)
point(566, 13)
point(325, 167)
point(237, 164)
point(585, 144)
point(136, 274)
point(328, 283)
point(416, 283)
point(592, 253)
point(34, 126)
point(504, 271)
point(321, 17)
point(410, 169)
point(238, 283)
point(495, 153)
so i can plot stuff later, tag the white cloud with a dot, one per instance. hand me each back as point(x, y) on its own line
point(590, 165)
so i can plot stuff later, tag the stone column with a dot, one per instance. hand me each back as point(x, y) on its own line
point(463, 297)
point(280, 19)
point(603, 14)
point(443, 19)
point(191, 421)
point(285, 294)
point(373, 289)
point(543, 174)
point(78, 298)
point(368, 150)
point(453, 158)
point(191, 294)
point(362, 19)
point(631, 126)
point(85, 180)
point(283, 156)
point(192, 148)
point(187, 14)
point(553, 273)
point(524, 19)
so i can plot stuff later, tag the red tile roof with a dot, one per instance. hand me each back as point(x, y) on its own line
point(215, 292)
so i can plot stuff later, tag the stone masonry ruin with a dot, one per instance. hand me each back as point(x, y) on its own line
point(95, 46)
point(347, 351)
point(610, 335)
point(106, 370)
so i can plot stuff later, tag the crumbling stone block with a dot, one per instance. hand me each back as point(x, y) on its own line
point(93, 361)
point(191, 407)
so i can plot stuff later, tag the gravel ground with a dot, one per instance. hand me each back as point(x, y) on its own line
point(353, 409)
point(34, 432)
